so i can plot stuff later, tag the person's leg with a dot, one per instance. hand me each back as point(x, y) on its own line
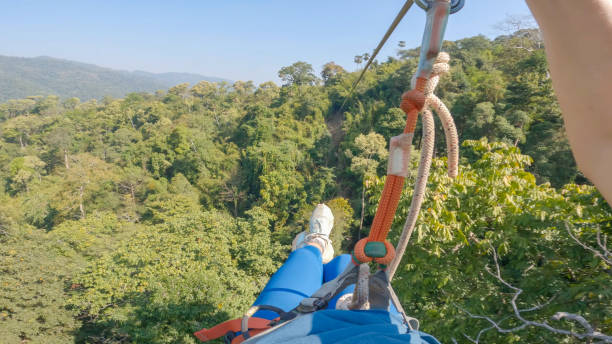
point(334, 268)
point(302, 273)
point(299, 277)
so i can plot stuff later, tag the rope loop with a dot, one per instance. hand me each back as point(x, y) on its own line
point(366, 250)
point(359, 254)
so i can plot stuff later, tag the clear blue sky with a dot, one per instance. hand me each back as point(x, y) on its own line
point(233, 39)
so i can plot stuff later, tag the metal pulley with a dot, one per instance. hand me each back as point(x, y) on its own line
point(455, 6)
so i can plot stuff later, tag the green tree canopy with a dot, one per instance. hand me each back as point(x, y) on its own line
point(299, 73)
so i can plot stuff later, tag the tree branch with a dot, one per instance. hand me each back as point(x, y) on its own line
point(588, 332)
point(477, 340)
point(605, 255)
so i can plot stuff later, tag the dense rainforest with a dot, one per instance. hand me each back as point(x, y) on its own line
point(144, 219)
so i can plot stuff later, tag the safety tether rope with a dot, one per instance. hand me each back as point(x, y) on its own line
point(432, 101)
point(375, 247)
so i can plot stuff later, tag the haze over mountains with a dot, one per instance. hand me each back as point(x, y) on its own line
point(22, 77)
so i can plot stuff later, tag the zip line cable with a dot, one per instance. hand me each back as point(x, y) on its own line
point(394, 24)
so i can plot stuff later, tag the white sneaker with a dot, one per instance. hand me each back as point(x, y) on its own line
point(321, 224)
point(322, 220)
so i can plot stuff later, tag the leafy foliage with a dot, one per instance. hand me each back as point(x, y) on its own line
point(495, 203)
point(160, 286)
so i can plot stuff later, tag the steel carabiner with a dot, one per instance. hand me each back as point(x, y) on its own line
point(455, 6)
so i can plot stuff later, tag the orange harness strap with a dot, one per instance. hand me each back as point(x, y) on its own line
point(232, 328)
point(413, 102)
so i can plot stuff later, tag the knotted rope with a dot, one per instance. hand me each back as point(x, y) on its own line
point(440, 68)
point(421, 98)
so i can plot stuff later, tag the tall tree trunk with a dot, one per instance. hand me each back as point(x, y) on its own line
point(21, 141)
point(516, 141)
point(362, 210)
point(66, 159)
point(132, 193)
point(81, 207)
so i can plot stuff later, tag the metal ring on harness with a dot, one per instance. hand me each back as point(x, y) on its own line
point(244, 325)
point(455, 6)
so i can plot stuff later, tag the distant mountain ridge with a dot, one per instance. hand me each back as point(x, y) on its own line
point(21, 77)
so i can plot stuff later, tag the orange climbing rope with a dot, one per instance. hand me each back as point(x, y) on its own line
point(375, 246)
point(413, 102)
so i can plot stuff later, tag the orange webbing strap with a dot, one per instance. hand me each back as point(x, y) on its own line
point(232, 327)
point(413, 102)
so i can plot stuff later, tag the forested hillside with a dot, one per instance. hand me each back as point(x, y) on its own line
point(146, 218)
point(22, 77)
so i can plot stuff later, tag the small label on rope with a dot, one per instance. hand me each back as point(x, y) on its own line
point(399, 155)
